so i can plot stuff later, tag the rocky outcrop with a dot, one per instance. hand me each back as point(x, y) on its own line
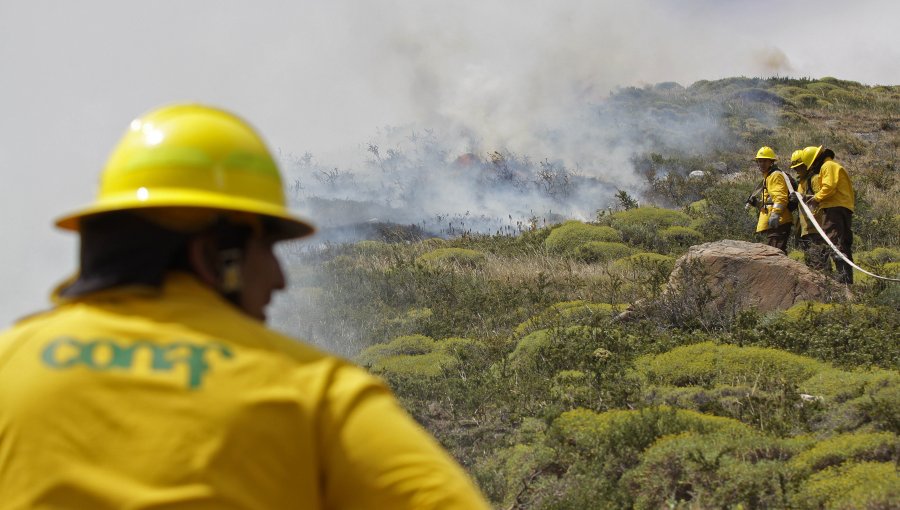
point(738, 275)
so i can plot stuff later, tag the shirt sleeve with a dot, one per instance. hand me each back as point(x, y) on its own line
point(376, 456)
point(778, 191)
point(829, 175)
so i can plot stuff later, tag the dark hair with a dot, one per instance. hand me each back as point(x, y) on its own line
point(820, 158)
point(123, 248)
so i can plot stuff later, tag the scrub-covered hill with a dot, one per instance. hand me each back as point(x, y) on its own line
point(508, 348)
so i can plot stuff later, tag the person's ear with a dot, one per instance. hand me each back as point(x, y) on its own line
point(201, 259)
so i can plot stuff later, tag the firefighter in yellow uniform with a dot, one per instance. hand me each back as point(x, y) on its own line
point(834, 200)
point(154, 383)
point(814, 249)
point(775, 220)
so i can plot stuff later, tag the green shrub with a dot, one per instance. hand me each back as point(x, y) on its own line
point(809, 308)
point(877, 257)
point(504, 475)
point(567, 237)
point(859, 400)
point(416, 355)
point(602, 251)
point(651, 217)
point(892, 270)
point(727, 469)
point(699, 207)
point(572, 388)
point(841, 385)
point(589, 432)
point(810, 101)
point(857, 447)
point(528, 351)
point(873, 485)
point(461, 257)
point(600, 448)
point(410, 322)
point(528, 348)
point(680, 236)
point(429, 364)
point(569, 313)
point(707, 364)
point(646, 262)
point(844, 334)
point(640, 226)
point(821, 88)
point(405, 345)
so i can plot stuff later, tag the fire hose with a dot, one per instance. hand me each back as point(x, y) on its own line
point(809, 214)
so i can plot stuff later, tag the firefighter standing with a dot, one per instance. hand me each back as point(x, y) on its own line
point(834, 201)
point(154, 382)
point(775, 220)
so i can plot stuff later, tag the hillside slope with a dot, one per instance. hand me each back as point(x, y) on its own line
point(506, 346)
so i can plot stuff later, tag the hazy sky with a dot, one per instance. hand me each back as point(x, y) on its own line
point(323, 76)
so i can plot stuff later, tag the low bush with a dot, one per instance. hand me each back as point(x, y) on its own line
point(640, 226)
point(570, 313)
point(847, 335)
point(856, 447)
point(599, 449)
point(680, 237)
point(602, 251)
point(528, 353)
point(410, 345)
point(731, 469)
point(646, 262)
point(877, 257)
point(507, 475)
point(707, 364)
point(566, 238)
point(874, 485)
point(416, 355)
point(859, 400)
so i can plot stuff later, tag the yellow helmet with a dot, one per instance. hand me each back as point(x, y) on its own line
point(765, 153)
point(808, 155)
point(796, 158)
point(192, 157)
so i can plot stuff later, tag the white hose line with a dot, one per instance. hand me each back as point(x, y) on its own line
point(805, 209)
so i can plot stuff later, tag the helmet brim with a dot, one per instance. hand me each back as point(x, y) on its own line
point(287, 225)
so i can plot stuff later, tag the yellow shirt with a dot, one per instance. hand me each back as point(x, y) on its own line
point(836, 190)
point(815, 183)
point(774, 198)
point(174, 399)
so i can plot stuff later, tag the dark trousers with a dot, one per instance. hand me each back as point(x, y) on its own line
point(815, 252)
point(837, 224)
point(778, 237)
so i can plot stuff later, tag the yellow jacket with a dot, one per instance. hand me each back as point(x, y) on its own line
point(815, 184)
point(136, 399)
point(774, 198)
point(836, 190)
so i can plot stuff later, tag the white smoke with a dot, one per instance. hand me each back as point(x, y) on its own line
point(321, 76)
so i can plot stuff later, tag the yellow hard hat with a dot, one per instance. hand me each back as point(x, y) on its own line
point(796, 158)
point(765, 153)
point(808, 155)
point(192, 157)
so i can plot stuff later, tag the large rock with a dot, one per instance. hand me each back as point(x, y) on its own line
point(736, 275)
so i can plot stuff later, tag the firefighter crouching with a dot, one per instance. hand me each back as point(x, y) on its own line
point(815, 251)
